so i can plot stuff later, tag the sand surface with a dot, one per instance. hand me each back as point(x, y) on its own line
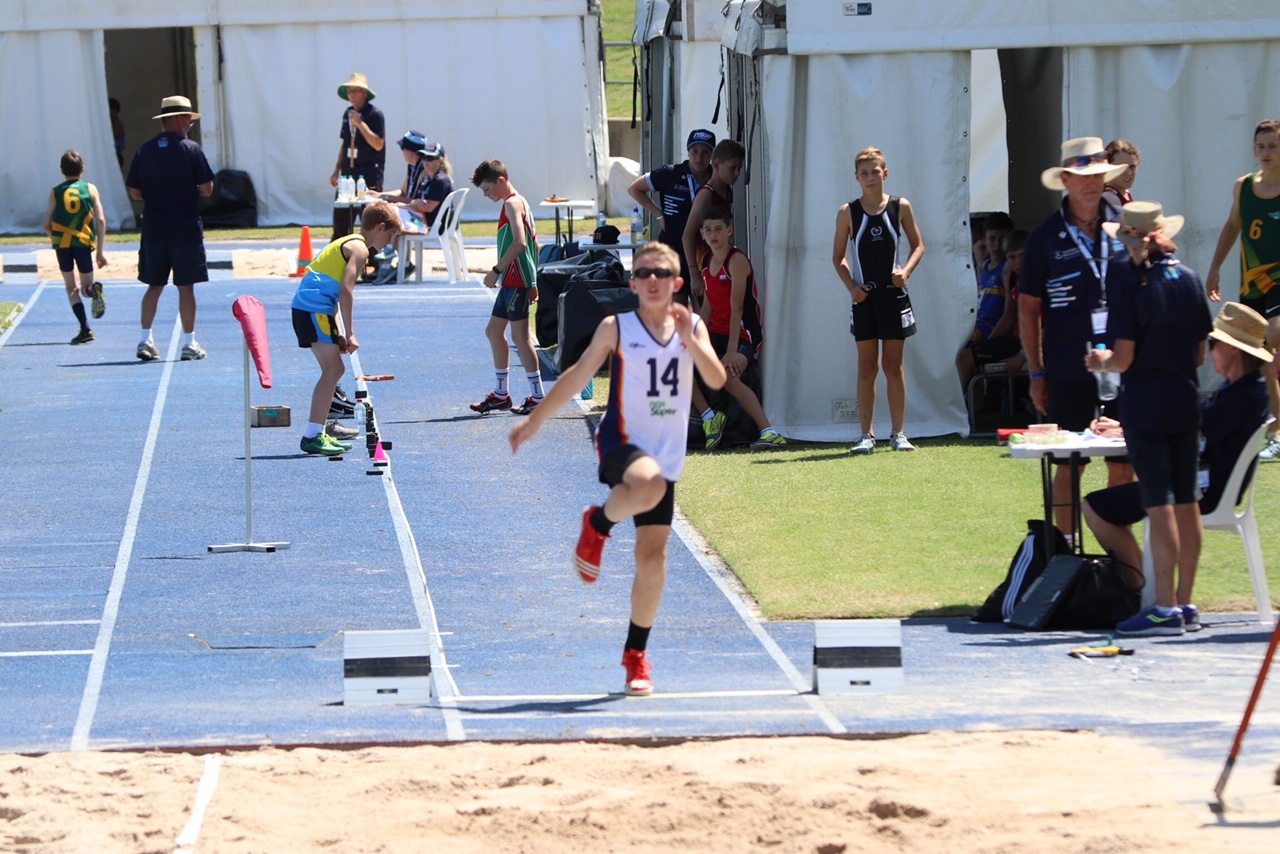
point(938, 792)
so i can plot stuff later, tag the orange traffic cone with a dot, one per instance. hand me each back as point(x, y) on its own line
point(304, 253)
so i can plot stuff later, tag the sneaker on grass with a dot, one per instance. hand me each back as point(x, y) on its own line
point(1156, 620)
point(340, 431)
point(714, 430)
point(865, 445)
point(84, 336)
point(586, 555)
point(148, 351)
point(1271, 450)
point(324, 445)
point(899, 442)
point(639, 681)
point(769, 440)
point(491, 402)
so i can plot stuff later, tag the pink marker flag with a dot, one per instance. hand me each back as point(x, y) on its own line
point(253, 318)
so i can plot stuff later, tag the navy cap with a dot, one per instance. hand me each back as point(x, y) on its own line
point(433, 150)
point(413, 141)
point(701, 136)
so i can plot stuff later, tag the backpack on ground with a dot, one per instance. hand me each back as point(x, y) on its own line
point(1027, 564)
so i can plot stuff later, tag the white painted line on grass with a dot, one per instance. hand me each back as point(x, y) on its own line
point(98, 666)
point(446, 689)
point(26, 309)
point(204, 794)
point(35, 652)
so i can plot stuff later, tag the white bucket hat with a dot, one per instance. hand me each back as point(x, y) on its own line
point(1138, 219)
point(1084, 156)
point(176, 105)
point(1242, 327)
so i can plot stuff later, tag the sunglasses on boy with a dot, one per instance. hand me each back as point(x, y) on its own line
point(652, 273)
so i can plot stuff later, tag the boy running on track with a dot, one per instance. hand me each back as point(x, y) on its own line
point(329, 284)
point(1255, 219)
point(75, 222)
point(516, 278)
point(641, 438)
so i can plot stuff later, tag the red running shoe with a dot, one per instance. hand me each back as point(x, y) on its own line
point(639, 682)
point(491, 402)
point(586, 557)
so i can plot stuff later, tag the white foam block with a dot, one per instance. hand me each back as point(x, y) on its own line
point(857, 656)
point(386, 667)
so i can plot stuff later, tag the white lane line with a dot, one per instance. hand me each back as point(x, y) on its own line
point(700, 550)
point(35, 652)
point(586, 698)
point(26, 309)
point(204, 794)
point(50, 623)
point(446, 688)
point(98, 665)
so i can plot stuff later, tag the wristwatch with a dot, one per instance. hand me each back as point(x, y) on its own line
point(497, 271)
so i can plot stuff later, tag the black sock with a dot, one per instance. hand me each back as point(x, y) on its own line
point(78, 310)
point(601, 523)
point(637, 637)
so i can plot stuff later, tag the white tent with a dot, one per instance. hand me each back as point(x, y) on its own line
point(830, 78)
point(519, 80)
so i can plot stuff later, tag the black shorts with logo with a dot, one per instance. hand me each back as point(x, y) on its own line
point(885, 314)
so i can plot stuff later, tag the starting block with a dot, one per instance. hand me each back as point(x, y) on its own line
point(385, 668)
point(857, 656)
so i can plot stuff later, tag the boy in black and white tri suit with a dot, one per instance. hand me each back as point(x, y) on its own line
point(641, 439)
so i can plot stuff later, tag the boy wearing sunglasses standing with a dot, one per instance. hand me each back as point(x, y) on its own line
point(641, 439)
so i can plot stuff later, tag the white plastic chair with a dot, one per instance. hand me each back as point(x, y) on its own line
point(446, 233)
point(1228, 516)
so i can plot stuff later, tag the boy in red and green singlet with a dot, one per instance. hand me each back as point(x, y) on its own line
point(75, 222)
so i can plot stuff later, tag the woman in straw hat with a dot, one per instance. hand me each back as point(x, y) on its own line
point(362, 153)
point(1228, 420)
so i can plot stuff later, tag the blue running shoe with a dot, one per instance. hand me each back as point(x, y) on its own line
point(1153, 621)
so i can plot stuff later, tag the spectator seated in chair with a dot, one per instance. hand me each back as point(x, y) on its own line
point(427, 184)
point(994, 337)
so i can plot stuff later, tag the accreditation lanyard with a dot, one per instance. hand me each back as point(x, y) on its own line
point(351, 131)
point(1098, 266)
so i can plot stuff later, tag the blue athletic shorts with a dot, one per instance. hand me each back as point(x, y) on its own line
point(1166, 465)
point(156, 258)
point(312, 328)
point(512, 303)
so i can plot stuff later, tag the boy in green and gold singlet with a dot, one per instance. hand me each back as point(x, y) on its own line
point(75, 222)
point(1255, 219)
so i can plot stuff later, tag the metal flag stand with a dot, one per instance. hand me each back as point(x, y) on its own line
point(249, 545)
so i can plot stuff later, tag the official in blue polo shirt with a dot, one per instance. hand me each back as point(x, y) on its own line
point(169, 174)
point(1064, 267)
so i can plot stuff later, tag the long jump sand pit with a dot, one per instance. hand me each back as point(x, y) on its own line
point(937, 792)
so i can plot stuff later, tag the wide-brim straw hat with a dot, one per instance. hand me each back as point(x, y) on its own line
point(176, 105)
point(1083, 156)
point(1242, 328)
point(1138, 219)
point(358, 81)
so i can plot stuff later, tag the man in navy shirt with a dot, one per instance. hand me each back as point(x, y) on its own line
point(1064, 266)
point(169, 174)
point(677, 184)
point(363, 151)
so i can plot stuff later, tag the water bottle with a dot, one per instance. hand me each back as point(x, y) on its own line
point(601, 220)
point(361, 188)
point(1108, 381)
point(637, 226)
point(344, 188)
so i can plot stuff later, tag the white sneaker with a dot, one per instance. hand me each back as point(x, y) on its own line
point(340, 431)
point(193, 352)
point(899, 442)
point(864, 445)
point(148, 351)
point(1271, 450)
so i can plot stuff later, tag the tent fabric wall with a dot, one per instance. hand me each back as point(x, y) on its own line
point(698, 76)
point(818, 111)
point(285, 116)
point(48, 113)
point(1191, 110)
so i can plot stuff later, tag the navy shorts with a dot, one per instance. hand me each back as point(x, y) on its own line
point(156, 258)
point(512, 303)
point(314, 328)
point(1073, 403)
point(885, 315)
point(1167, 465)
point(81, 257)
point(614, 466)
point(1267, 305)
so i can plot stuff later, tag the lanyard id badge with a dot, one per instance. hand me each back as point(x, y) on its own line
point(1099, 319)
